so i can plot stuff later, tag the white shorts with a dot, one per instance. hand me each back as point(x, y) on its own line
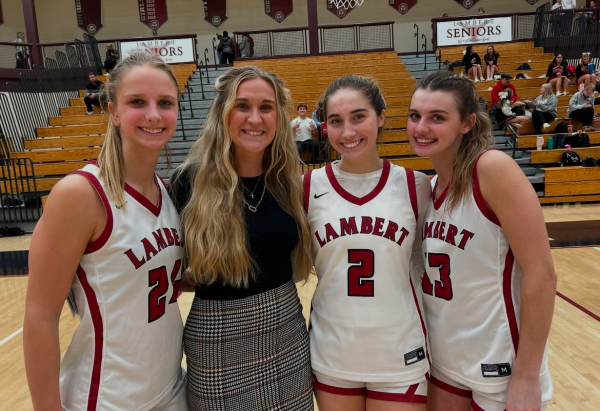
point(485, 401)
point(175, 400)
point(384, 391)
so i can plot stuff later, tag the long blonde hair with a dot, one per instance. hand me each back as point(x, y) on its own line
point(110, 159)
point(215, 235)
point(547, 90)
point(473, 143)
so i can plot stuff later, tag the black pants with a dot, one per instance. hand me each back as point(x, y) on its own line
point(586, 115)
point(228, 58)
point(21, 61)
point(539, 118)
point(109, 65)
point(308, 145)
point(89, 102)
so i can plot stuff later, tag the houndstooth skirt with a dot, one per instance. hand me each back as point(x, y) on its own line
point(250, 354)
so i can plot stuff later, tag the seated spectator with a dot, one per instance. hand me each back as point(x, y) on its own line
point(94, 94)
point(505, 113)
point(112, 56)
point(545, 110)
point(503, 84)
point(227, 47)
point(581, 107)
point(491, 62)
point(245, 46)
point(585, 71)
point(557, 74)
point(304, 130)
point(472, 63)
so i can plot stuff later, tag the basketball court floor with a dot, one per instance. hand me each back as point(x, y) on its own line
point(574, 346)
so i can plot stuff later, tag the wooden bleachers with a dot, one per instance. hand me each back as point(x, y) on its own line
point(571, 184)
point(72, 139)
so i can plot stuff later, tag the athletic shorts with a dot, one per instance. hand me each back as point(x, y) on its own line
point(484, 401)
point(384, 391)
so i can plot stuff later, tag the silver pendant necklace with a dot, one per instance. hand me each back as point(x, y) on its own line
point(254, 189)
point(251, 207)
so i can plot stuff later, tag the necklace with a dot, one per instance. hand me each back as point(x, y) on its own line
point(252, 192)
point(255, 208)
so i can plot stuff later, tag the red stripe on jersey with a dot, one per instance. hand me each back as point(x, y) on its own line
point(481, 204)
point(412, 191)
point(423, 327)
point(337, 390)
point(144, 201)
point(450, 388)
point(96, 315)
point(351, 198)
point(437, 202)
point(100, 241)
point(508, 301)
point(409, 396)
point(306, 186)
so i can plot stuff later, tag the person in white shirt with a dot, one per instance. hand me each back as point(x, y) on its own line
point(569, 4)
point(304, 130)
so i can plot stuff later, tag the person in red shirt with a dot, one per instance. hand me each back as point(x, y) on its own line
point(503, 84)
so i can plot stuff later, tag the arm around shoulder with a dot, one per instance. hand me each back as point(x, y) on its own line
point(73, 216)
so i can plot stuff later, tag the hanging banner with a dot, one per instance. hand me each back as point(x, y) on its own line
point(402, 6)
point(215, 11)
point(153, 13)
point(532, 2)
point(89, 15)
point(279, 9)
point(474, 31)
point(341, 12)
point(467, 4)
point(1, 19)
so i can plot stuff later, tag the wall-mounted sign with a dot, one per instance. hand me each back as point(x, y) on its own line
point(341, 12)
point(153, 13)
point(402, 6)
point(279, 9)
point(170, 50)
point(467, 4)
point(215, 11)
point(474, 31)
point(89, 15)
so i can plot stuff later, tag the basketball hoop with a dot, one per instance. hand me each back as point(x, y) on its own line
point(346, 4)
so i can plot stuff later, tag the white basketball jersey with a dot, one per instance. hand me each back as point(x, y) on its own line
point(471, 293)
point(365, 323)
point(126, 353)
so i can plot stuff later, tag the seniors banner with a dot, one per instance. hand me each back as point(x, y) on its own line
point(215, 11)
point(467, 4)
point(89, 15)
point(474, 31)
point(402, 6)
point(153, 13)
point(279, 9)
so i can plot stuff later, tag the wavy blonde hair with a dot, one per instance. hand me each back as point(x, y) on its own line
point(215, 235)
point(548, 91)
point(110, 159)
point(473, 143)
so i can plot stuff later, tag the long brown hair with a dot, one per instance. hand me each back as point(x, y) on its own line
point(473, 143)
point(214, 229)
point(110, 159)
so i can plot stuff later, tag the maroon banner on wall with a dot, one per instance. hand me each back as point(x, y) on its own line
point(153, 13)
point(402, 6)
point(279, 9)
point(532, 2)
point(341, 12)
point(89, 15)
point(215, 11)
point(467, 4)
point(1, 18)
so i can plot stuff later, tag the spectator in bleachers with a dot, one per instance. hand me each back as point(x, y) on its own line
point(557, 74)
point(503, 84)
point(581, 107)
point(227, 47)
point(568, 4)
point(245, 46)
point(472, 63)
point(94, 93)
point(304, 130)
point(491, 62)
point(112, 56)
point(585, 71)
point(545, 110)
point(504, 111)
point(20, 52)
point(556, 4)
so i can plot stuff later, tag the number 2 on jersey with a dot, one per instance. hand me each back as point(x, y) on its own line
point(443, 286)
point(364, 267)
point(159, 280)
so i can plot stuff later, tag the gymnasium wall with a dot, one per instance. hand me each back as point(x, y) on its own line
point(57, 19)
